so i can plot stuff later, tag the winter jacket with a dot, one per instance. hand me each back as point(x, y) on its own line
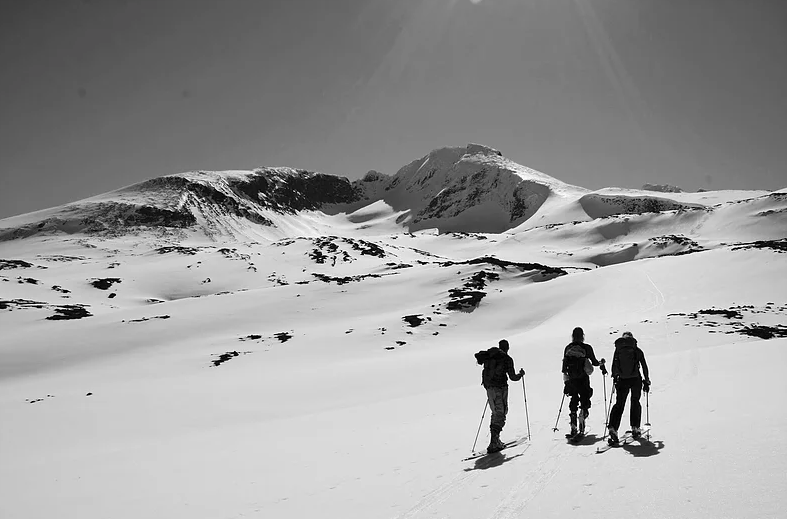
point(498, 368)
point(627, 359)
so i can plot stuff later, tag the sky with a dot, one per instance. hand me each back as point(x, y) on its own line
point(97, 95)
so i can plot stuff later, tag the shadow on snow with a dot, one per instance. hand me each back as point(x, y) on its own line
point(644, 448)
point(492, 460)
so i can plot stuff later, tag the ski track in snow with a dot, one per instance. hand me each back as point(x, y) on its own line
point(450, 488)
point(537, 479)
point(440, 494)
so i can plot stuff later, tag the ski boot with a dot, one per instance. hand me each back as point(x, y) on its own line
point(574, 431)
point(583, 414)
point(495, 445)
point(613, 437)
point(636, 432)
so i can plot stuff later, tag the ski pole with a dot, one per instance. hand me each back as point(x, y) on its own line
point(604, 378)
point(479, 425)
point(526, 415)
point(559, 411)
point(647, 411)
point(606, 425)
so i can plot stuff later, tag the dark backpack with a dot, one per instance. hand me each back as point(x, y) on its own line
point(495, 367)
point(574, 361)
point(628, 363)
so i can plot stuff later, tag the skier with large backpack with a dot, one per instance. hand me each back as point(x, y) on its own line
point(578, 362)
point(498, 368)
point(625, 373)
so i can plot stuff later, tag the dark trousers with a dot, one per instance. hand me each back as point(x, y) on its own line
point(580, 392)
point(498, 402)
point(623, 387)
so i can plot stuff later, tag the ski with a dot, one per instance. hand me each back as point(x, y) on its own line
point(626, 439)
point(507, 445)
point(576, 438)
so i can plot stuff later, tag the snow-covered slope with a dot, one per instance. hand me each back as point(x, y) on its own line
point(472, 189)
point(321, 365)
point(460, 189)
point(243, 205)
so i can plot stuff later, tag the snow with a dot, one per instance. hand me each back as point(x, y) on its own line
point(335, 406)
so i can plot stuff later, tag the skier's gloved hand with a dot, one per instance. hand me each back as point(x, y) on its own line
point(566, 390)
point(646, 386)
point(603, 370)
point(521, 372)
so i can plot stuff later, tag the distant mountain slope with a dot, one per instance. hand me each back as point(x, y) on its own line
point(471, 188)
point(219, 204)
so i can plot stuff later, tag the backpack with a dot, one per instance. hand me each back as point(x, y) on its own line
point(575, 361)
point(495, 366)
point(628, 363)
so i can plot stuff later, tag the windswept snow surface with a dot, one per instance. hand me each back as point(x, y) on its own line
point(326, 369)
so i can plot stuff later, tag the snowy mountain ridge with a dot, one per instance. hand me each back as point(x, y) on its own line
point(463, 189)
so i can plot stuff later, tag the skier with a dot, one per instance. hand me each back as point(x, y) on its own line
point(578, 362)
point(625, 373)
point(497, 366)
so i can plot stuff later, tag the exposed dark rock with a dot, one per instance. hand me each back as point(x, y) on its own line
point(414, 320)
point(598, 205)
point(66, 312)
point(301, 190)
point(343, 280)
point(776, 245)
point(104, 283)
point(729, 314)
point(546, 271)
point(366, 248)
point(21, 303)
point(283, 336)
point(29, 281)
point(464, 299)
point(662, 188)
point(224, 357)
point(143, 319)
point(395, 266)
point(763, 332)
point(150, 216)
point(14, 264)
point(181, 250)
point(61, 258)
point(228, 204)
